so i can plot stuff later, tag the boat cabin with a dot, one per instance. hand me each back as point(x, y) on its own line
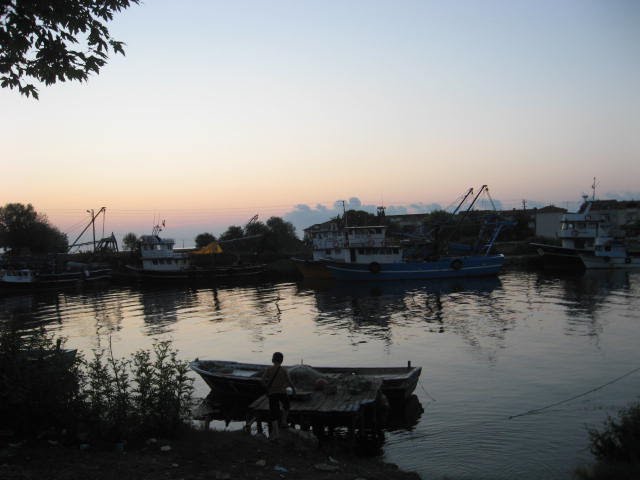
point(610, 247)
point(350, 243)
point(580, 230)
point(157, 254)
point(21, 276)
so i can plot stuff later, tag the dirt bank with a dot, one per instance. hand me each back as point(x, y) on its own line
point(197, 455)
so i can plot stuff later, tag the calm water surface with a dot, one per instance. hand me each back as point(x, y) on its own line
point(490, 349)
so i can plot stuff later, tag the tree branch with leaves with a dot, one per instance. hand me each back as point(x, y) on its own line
point(53, 41)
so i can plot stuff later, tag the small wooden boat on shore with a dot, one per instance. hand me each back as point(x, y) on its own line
point(244, 380)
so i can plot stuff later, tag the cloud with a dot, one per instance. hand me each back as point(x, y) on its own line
point(624, 195)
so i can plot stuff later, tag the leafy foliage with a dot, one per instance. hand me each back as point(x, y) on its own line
point(129, 241)
point(620, 439)
point(45, 387)
point(55, 41)
point(21, 227)
point(276, 236)
point(440, 217)
point(232, 233)
point(40, 383)
point(281, 236)
point(148, 394)
point(616, 448)
point(256, 228)
point(360, 218)
point(204, 239)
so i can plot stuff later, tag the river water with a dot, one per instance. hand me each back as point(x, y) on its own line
point(493, 351)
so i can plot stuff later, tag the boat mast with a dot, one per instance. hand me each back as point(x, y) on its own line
point(473, 202)
point(92, 223)
point(464, 199)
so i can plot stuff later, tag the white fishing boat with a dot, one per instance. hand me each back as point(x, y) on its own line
point(157, 260)
point(577, 234)
point(340, 245)
point(73, 275)
point(610, 253)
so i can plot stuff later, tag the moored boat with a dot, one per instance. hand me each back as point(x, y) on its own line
point(610, 253)
point(244, 380)
point(578, 234)
point(390, 263)
point(330, 243)
point(159, 261)
point(366, 253)
point(27, 278)
point(444, 267)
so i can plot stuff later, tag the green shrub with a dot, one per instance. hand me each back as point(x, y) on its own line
point(616, 447)
point(148, 394)
point(620, 439)
point(44, 387)
point(40, 383)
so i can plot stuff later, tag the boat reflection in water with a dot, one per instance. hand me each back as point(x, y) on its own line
point(586, 291)
point(383, 304)
point(490, 348)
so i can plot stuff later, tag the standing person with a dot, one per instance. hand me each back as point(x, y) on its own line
point(276, 380)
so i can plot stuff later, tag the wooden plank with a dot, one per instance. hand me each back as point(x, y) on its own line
point(320, 403)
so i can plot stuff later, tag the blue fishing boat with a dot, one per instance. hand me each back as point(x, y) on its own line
point(443, 267)
point(445, 260)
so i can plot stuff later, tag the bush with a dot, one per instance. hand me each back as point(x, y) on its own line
point(620, 440)
point(44, 387)
point(139, 397)
point(40, 383)
point(616, 447)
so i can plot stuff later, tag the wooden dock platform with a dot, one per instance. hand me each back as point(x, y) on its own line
point(358, 405)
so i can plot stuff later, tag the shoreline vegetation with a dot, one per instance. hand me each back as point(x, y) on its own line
point(64, 417)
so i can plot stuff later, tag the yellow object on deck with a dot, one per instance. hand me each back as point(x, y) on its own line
point(213, 247)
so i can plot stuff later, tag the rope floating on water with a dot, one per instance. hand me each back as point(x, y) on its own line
point(427, 393)
point(538, 410)
point(500, 419)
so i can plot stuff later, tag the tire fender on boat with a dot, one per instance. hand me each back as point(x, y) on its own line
point(627, 260)
point(456, 264)
point(374, 267)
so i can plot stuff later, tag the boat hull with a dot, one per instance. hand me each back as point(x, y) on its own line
point(555, 257)
point(219, 273)
point(449, 267)
point(312, 268)
point(62, 279)
point(244, 381)
point(610, 263)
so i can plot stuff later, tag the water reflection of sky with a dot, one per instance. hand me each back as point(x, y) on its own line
point(489, 348)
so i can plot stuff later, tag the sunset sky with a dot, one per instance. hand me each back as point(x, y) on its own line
point(221, 110)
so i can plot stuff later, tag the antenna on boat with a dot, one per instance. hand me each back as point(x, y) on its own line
point(593, 189)
point(157, 229)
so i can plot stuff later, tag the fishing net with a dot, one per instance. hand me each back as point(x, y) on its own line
point(305, 377)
